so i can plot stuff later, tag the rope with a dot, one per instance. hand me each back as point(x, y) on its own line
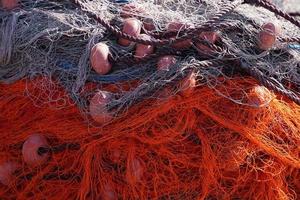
point(259, 76)
point(295, 14)
point(128, 60)
point(173, 33)
point(145, 89)
point(193, 31)
point(271, 7)
point(289, 39)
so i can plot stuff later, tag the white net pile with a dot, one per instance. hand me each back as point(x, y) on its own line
point(53, 39)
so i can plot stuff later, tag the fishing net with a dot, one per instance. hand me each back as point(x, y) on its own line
point(223, 122)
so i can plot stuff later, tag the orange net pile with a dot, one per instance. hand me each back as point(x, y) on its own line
point(196, 146)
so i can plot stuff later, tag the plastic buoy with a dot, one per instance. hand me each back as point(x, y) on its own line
point(98, 110)
point(136, 170)
point(165, 62)
point(177, 26)
point(108, 193)
point(9, 4)
point(116, 156)
point(149, 24)
point(259, 96)
point(267, 36)
point(99, 58)
point(131, 10)
point(131, 27)
point(188, 84)
point(210, 37)
point(143, 50)
point(30, 150)
point(6, 172)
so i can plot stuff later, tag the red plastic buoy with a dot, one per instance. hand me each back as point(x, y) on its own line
point(210, 37)
point(116, 156)
point(178, 26)
point(98, 110)
point(260, 96)
point(30, 149)
point(131, 10)
point(165, 62)
point(188, 84)
point(6, 172)
point(99, 58)
point(149, 24)
point(131, 27)
point(9, 4)
point(136, 170)
point(267, 36)
point(143, 50)
point(108, 193)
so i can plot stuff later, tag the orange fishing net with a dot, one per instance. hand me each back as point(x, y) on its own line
point(196, 146)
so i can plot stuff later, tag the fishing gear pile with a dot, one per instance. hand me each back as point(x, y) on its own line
point(149, 99)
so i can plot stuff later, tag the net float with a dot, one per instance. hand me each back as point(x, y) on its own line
point(99, 58)
point(148, 24)
point(98, 109)
point(108, 193)
point(6, 172)
point(131, 10)
point(210, 37)
point(165, 62)
point(116, 156)
point(166, 92)
point(188, 84)
point(132, 27)
point(30, 150)
point(143, 50)
point(259, 96)
point(136, 170)
point(235, 158)
point(178, 26)
point(267, 36)
point(9, 4)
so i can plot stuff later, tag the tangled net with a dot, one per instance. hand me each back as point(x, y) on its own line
point(234, 135)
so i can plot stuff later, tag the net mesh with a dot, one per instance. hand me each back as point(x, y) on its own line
point(227, 137)
point(201, 146)
point(54, 39)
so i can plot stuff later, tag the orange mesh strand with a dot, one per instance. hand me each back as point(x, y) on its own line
point(196, 146)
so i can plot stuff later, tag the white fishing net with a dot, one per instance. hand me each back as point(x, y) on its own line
point(53, 39)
